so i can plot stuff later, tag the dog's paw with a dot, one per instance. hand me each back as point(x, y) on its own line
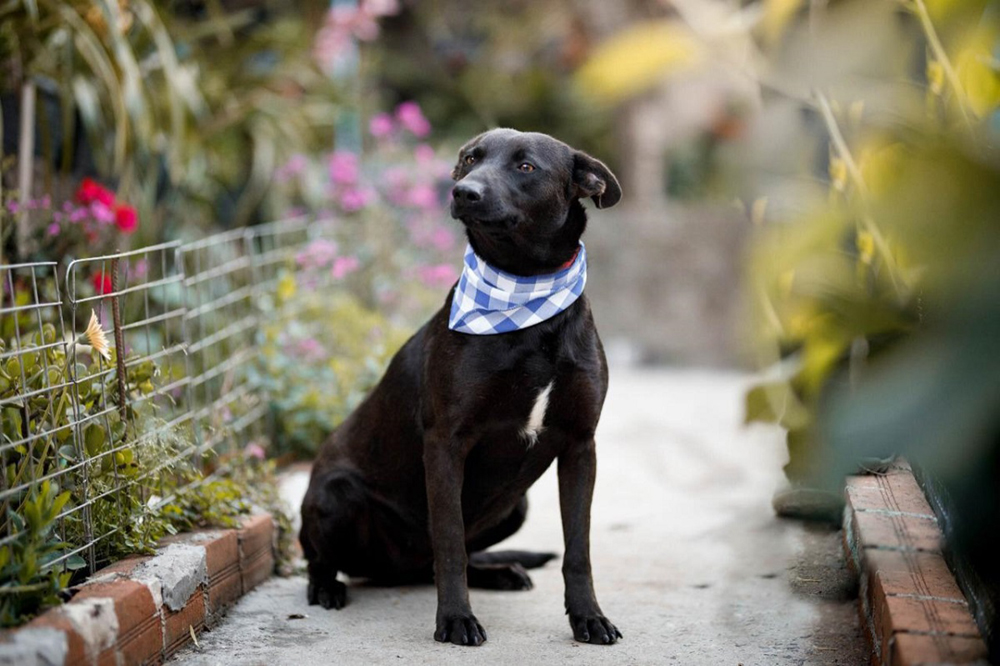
point(595, 629)
point(329, 595)
point(460, 629)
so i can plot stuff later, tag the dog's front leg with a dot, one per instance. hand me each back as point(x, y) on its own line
point(577, 472)
point(444, 462)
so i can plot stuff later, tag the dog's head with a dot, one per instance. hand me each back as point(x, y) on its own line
point(518, 196)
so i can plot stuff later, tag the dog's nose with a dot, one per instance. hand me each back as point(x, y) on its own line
point(468, 191)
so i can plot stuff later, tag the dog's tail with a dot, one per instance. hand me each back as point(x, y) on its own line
point(525, 558)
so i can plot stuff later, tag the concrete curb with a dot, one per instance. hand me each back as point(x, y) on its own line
point(912, 610)
point(141, 610)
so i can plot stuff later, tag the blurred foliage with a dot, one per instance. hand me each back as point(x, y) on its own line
point(318, 366)
point(187, 107)
point(847, 282)
point(495, 63)
point(384, 263)
point(636, 59)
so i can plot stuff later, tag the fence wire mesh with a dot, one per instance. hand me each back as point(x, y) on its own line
point(188, 320)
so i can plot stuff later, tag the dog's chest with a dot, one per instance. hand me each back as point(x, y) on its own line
point(535, 421)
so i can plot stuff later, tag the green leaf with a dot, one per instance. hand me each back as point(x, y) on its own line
point(75, 562)
point(94, 438)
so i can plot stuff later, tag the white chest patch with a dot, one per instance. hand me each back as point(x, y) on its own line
point(536, 418)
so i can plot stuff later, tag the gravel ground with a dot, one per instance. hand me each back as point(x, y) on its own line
point(689, 560)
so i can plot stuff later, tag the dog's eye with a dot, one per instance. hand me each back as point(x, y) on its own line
point(526, 168)
point(469, 159)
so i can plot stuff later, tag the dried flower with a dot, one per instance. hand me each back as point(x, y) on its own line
point(96, 337)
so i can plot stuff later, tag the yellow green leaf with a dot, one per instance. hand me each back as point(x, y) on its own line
point(636, 59)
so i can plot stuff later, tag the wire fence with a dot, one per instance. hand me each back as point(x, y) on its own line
point(187, 317)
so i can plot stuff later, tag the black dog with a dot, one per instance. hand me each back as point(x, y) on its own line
point(432, 468)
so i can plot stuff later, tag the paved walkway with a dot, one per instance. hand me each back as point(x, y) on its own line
point(689, 561)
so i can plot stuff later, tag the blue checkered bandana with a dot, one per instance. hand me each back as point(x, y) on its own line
point(488, 301)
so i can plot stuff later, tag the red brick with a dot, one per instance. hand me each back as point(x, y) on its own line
point(256, 539)
point(911, 573)
point(917, 650)
point(256, 570)
point(901, 532)
point(140, 633)
point(910, 615)
point(896, 492)
point(225, 587)
point(108, 658)
point(76, 649)
point(177, 626)
point(256, 534)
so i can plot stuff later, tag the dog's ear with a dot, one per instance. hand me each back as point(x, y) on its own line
point(593, 179)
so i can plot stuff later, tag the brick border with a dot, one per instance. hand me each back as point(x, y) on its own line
point(142, 610)
point(912, 610)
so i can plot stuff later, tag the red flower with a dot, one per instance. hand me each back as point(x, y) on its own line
point(91, 191)
point(126, 218)
point(102, 283)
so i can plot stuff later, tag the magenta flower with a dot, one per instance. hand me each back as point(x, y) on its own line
point(319, 253)
point(355, 198)
point(412, 118)
point(311, 350)
point(381, 125)
point(380, 7)
point(255, 450)
point(442, 238)
point(343, 166)
point(423, 154)
point(439, 276)
point(53, 229)
point(344, 266)
point(423, 196)
point(102, 212)
point(293, 168)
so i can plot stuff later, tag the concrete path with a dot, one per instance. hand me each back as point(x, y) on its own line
point(689, 561)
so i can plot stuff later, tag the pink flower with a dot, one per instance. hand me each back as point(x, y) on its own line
point(442, 238)
point(332, 43)
point(141, 268)
point(380, 7)
point(343, 266)
point(79, 214)
point(423, 153)
point(364, 26)
point(381, 125)
point(319, 253)
point(423, 196)
point(102, 213)
point(343, 167)
point(412, 118)
point(439, 276)
point(355, 198)
point(126, 219)
point(53, 229)
point(293, 168)
point(310, 350)
point(254, 450)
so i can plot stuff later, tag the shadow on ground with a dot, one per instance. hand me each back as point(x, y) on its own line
point(689, 561)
